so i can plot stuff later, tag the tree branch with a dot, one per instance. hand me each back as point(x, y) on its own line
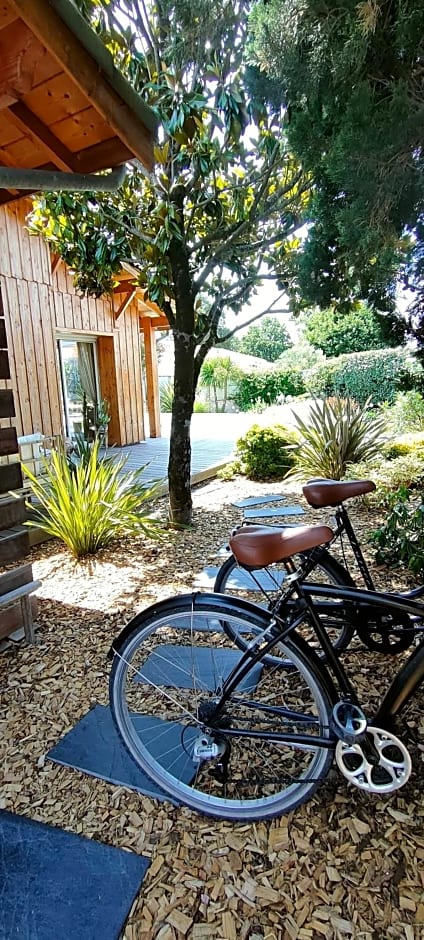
point(257, 316)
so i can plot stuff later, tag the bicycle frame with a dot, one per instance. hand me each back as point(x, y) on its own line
point(411, 674)
point(404, 685)
point(344, 525)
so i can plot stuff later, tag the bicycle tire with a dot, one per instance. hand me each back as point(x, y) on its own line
point(157, 690)
point(230, 575)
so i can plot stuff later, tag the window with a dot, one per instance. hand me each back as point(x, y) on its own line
point(80, 384)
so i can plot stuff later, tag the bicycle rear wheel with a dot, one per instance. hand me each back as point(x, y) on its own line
point(263, 586)
point(267, 750)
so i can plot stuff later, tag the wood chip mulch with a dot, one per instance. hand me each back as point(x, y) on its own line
point(344, 865)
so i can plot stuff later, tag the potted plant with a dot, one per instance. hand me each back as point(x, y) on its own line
point(102, 418)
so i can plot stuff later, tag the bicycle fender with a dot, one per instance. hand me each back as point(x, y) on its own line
point(180, 601)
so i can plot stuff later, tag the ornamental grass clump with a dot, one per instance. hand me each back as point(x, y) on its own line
point(91, 504)
point(336, 433)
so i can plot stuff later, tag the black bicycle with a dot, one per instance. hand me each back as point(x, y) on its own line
point(250, 735)
point(263, 579)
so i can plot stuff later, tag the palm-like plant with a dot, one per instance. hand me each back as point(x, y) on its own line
point(215, 374)
point(337, 432)
point(89, 505)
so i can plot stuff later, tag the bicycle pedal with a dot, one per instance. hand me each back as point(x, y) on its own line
point(388, 773)
point(348, 722)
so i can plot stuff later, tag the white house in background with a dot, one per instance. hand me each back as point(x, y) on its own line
point(243, 362)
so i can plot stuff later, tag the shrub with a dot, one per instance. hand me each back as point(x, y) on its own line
point(300, 357)
point(335, 434)
point(229, 471)
point(200, 407)
point(266, 388)
point(406, 413)
point(265, 453)
point(401, 539)
point(375, 376)
point(80, 451)
point(389, 475)
point(404, 446)
point(88, 506)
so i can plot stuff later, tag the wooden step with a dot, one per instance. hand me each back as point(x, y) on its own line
point(14, 543)
point(18, 606)
point(12, 511)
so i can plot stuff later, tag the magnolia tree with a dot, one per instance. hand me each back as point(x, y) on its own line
point(220, 210)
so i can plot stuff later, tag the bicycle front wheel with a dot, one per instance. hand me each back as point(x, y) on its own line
point(263, 754)
point(263, 586)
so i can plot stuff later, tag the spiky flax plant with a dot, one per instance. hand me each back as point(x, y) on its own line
point(336, 433)
point(91, 504)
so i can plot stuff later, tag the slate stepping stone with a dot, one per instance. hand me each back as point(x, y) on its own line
point(60, 886)
point(271, 513)
point(94, 747)
point(242, 580)
point(205, 580)
point(186, 667)
point(257, 501)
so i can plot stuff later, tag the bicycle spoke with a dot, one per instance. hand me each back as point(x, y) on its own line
point(257, 754)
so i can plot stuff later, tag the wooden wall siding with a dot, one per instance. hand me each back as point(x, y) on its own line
point(7, 407)
point(38, 304)
point(4, 358)
point(10, 473)
point(127, 352)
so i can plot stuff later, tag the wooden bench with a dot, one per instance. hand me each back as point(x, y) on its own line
point(15, 589)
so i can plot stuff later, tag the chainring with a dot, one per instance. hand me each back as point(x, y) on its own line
point(384, 770)
point(384, 633)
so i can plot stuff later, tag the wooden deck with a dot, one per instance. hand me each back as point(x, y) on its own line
point(213, 440)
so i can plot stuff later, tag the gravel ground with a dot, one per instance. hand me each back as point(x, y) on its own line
point(344, 865)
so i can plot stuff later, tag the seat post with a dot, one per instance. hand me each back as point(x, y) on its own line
point(344, 525)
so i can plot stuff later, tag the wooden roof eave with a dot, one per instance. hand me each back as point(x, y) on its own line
point(64, 32)
point(148, 311)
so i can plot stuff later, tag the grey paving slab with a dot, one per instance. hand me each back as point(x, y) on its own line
point(56, 885)
point(257, 501)
point(273, 513)
point(240, 580)
point(187, 667)
point(94, 747)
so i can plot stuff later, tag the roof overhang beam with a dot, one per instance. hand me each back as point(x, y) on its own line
point(54, 181)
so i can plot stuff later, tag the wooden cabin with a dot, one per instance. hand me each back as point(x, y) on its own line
point(64, 107)
point(61, 344)
point(66, 113)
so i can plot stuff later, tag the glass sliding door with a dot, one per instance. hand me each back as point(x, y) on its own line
point(80, 384)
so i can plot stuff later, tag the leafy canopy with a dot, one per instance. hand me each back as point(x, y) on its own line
point(225, 193)
point(220, 210)
point(358, 330)
point(350, 75)
point(267, 339)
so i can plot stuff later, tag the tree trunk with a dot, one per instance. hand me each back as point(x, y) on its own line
point(215, 393)
point(179, 464)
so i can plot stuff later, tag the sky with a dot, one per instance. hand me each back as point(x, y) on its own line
point(264, 297)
